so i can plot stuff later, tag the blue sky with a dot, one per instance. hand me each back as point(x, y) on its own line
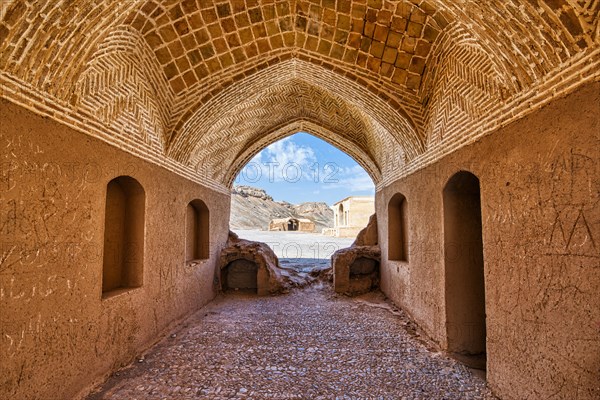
point(302, 168)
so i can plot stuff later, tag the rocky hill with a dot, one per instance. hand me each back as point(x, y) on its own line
point(253, 208)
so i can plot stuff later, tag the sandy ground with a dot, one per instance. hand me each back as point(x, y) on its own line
point(298, 245)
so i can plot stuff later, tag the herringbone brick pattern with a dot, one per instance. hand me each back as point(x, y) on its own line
point(199, 86)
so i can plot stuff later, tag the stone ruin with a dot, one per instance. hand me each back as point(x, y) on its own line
point(356, 268)
point(253, 266)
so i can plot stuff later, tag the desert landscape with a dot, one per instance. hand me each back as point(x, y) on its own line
point(252, 208)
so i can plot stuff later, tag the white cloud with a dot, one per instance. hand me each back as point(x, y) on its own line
point(287, 161)
point(284, 160)
point(353, 179)
point(286, 151)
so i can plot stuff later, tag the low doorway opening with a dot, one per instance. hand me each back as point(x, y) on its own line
point(240, 275)
point(364, 275)
point(292, 225)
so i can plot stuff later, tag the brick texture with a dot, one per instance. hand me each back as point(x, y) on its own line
point(199, 86)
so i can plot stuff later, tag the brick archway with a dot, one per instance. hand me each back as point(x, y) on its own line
point(364, 159)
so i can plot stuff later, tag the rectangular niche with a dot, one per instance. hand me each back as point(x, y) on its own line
point(123, 256)
point(196, 231)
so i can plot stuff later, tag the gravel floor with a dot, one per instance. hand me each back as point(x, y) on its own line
point(309, 344)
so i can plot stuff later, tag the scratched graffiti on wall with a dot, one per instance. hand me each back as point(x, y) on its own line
point(47, 246)
point(54, 228)
point(51, 254)
point(555, 201)
point(576, 201)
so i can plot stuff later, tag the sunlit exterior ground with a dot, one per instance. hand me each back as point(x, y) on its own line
point(292, 245)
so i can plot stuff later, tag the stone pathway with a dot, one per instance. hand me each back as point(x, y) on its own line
point(309, 344)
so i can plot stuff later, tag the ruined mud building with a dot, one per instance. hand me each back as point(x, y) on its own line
point(351, 214)
point(292, 224)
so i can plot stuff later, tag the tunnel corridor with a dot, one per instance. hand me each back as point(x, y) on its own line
point(123, 125)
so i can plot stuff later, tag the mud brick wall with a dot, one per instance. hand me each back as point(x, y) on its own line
point(540, 205)
point(57, 333)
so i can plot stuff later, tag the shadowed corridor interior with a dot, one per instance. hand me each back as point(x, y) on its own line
point(464, 268)
point(124, 124)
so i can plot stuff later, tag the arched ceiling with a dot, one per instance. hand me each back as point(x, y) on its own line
point(269, 114)
point(295, 90)
point(409, 77)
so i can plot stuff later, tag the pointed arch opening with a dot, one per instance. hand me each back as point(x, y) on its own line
point(360, 155)
point(340, 216)
point(302, 184)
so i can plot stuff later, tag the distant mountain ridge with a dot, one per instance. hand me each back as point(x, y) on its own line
point(253, 208)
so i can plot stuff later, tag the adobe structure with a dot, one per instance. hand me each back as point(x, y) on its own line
point(124, 124)
point(292, 224)
point(351, 214)
point(355, 269)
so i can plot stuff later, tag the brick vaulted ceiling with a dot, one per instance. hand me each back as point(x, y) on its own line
point(200, 86)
